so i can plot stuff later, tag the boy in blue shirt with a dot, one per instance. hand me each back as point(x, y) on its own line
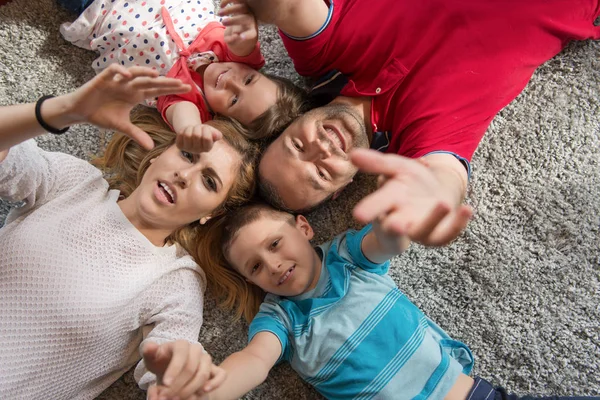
point(333, 313)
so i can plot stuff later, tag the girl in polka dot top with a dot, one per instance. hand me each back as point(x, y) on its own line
point(184, 39)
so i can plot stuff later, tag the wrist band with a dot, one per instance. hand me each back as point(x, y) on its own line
point(40, 120)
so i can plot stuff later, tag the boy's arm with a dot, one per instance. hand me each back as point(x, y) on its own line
point(295, 18)
point(379, 246)
point(248, 368)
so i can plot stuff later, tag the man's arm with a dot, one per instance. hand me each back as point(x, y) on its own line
point(248, 368)
point(421, 199)
point(294, 17)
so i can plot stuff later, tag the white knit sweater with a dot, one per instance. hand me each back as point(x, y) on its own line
point(80, 287)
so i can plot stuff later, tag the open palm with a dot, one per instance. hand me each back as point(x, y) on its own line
point(107, 99)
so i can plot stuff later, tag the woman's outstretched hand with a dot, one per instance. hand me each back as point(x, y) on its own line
point(108, 98)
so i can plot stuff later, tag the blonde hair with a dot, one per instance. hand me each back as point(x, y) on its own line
point(125, 162)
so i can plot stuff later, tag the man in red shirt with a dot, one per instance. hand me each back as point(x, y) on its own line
point(421, 80)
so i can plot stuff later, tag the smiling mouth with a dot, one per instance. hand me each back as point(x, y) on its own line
point(286, 276)
point(167, 192)
point(335, 137)
point(219, 78)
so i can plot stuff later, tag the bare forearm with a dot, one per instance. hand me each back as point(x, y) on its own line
point(18, 123)
point(380, 249)
point(244, 373)
point(451, 175)
point(183, 114)
point(296, 18)
point(242, 49)
point(268, 11)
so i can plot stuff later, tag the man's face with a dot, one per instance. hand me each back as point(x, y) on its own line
point(310, 160)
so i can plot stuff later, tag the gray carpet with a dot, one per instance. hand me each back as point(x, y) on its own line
point(520, 287)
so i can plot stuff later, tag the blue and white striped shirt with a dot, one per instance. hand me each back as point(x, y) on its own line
point(356, 336)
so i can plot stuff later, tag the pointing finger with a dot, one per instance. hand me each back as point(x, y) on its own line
point(375, 162)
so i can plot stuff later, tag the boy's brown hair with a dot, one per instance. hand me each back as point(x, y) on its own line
point(231, 289)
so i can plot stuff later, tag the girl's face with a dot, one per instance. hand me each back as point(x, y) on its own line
point(238, 91)
point(179, 188)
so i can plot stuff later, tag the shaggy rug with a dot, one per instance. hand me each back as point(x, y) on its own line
point(520, 286)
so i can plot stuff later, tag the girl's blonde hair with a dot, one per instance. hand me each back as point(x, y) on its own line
point(125, 162)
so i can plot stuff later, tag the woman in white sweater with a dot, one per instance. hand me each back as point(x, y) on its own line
point(89, 268)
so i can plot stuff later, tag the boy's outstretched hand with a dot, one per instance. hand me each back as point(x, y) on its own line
point(108, 98)
point(183, 369)
point(196, 139)
point(410, 200)
point(241, 33)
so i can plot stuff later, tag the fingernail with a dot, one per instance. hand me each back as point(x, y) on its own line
point(167, 381)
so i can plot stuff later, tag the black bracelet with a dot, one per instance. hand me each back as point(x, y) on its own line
point(40, 120)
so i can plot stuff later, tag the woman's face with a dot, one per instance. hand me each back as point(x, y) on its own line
point(179, 187)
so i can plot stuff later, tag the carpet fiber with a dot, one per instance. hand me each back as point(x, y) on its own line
point(521, 285)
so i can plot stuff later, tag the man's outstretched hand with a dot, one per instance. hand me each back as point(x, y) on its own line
point(410, 200)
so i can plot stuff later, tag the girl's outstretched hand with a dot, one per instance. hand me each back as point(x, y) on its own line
point(241, 33)
point(197, 139)
point(108, 98)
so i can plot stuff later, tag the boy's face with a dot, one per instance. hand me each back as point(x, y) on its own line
point(276, 255)
point(238, 91)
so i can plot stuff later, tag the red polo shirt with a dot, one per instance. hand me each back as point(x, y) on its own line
point(439, 70)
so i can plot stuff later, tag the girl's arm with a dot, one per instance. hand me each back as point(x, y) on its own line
point(182, 115)
point(192, 135)
point(105, 101)
point(248, 368)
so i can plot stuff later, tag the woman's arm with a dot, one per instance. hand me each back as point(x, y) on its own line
point(105, 101)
